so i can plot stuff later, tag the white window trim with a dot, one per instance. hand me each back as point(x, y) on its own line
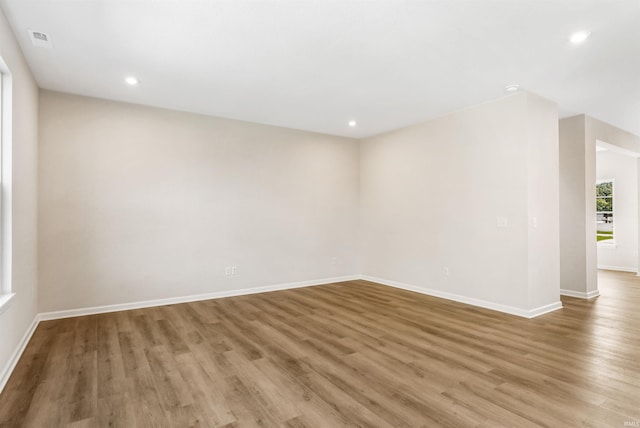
point(6, 289)
point(609, 243)
point(5, 301)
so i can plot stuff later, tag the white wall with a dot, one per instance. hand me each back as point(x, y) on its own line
point(20, 198)
point(138, 203)
point(431, 195)
point(623, 170)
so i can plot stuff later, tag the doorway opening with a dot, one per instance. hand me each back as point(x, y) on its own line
point(616, 201)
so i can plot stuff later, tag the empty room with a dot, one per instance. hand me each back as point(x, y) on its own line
point(278, 213)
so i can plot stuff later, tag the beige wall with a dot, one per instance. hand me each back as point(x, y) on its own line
point(543, 201)
point(141, 204)
point(431, 195)
point(598, 130)
point(575, 232)
point(138, 203)
point(20, 199)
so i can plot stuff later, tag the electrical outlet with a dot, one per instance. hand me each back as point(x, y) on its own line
point(227, 270)
point(502, 222)
point(234, 270)
point(445, 271)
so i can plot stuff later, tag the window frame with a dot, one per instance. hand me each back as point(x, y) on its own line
point(6, 86)
point(612, 240)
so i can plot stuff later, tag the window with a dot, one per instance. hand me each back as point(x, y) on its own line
point(604, 211)
point(5, 204)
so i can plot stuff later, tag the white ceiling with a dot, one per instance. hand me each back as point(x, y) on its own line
point(316, 64)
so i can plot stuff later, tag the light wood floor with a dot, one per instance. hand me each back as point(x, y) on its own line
point(350, 354)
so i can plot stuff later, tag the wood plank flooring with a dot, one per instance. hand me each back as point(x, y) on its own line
point(349, 354)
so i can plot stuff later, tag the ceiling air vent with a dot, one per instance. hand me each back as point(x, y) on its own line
point(39, 39)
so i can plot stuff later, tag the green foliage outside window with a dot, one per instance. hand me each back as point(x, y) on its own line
point(604, 210)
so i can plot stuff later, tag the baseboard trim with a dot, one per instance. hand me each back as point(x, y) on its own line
point(533, 313)
point(512, 310)
point(45, 316)
point(579, 294)
point(618, 268)
point(11, 364)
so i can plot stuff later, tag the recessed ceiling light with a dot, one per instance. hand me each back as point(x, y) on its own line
point(131, 81)
point(353, 123)
point(579, 37)
point(512, 88)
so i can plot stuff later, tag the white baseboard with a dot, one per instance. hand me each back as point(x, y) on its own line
point(512, 310)
point(579, 294)
point(532, 313)
point(185, 299)
point(5, 374)
point(619, 268)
